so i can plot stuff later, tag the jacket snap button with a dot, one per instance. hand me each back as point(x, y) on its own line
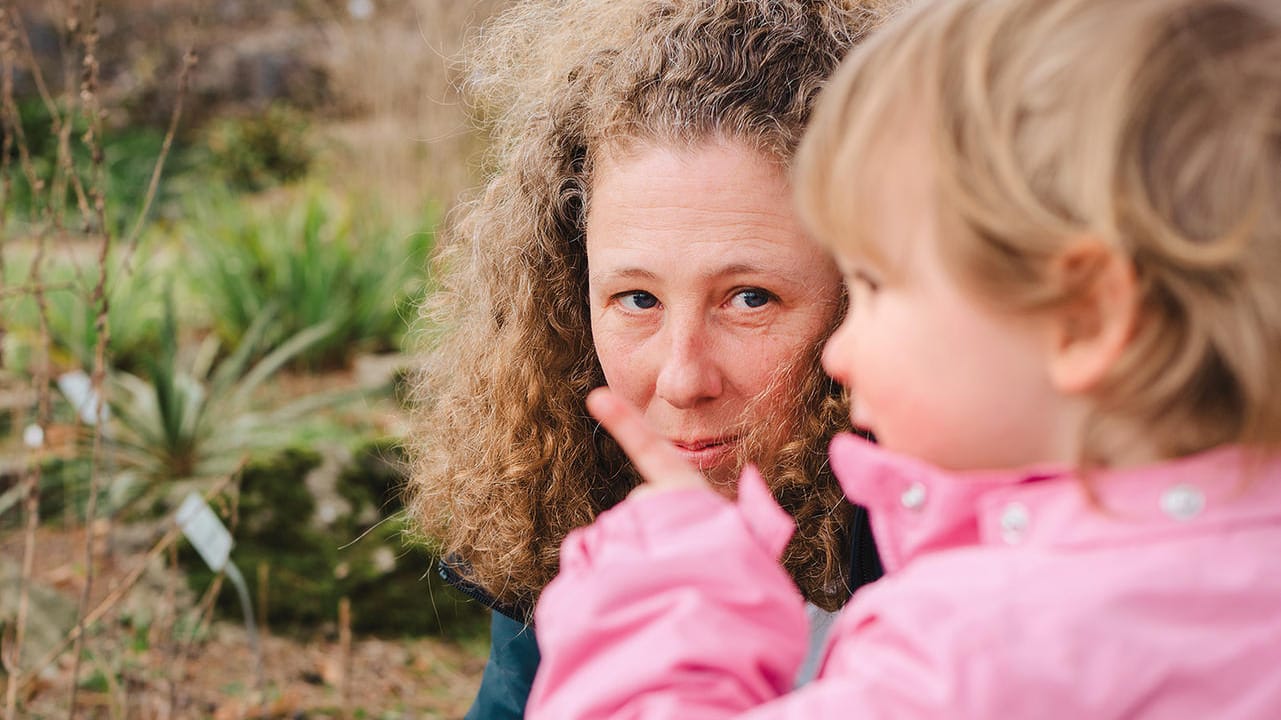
point(1014, 521)
point(913, 497)
point(1182, 502)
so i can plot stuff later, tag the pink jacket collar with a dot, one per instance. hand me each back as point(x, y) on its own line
point(916, 508)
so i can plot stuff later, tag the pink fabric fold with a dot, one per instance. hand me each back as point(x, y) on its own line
point(1012, 595)
point(644, 581)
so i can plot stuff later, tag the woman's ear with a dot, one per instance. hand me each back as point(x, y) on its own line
point(1091, 330)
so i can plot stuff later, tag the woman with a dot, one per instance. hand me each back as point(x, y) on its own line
point(637, 232)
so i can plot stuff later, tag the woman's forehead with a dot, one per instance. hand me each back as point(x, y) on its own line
point(718, 205)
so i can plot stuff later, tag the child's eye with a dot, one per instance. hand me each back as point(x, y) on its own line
point(864, 280)
point(752, 298)
point(637, 300)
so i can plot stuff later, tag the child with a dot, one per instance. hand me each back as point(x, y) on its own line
point(1060, 227)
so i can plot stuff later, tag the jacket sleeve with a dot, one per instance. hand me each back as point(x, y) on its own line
point(513, 658)
point(671, 606)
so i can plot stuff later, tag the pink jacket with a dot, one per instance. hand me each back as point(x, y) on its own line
point(1015, 596)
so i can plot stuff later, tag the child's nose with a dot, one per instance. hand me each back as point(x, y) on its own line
point(838, 352)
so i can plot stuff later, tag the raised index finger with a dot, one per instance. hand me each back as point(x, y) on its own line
point(654, 457)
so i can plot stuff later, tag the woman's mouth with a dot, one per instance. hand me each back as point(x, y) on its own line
point(705, 453)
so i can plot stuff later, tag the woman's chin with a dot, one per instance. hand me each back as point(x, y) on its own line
point(727, 489)
point(723, 478)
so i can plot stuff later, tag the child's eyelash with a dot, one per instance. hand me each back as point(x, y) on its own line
point(863, 278)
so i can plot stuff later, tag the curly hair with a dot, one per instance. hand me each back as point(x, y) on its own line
point(1159, 137)
point(505, 459)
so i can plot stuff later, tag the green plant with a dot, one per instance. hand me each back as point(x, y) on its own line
point(276, 511)
point(374, 479)
point(134, 311)
point(390, 582)
point(261, 151)
point(64, 486)
point(129, 155)
point(317, 260)
point(196, 415)
point(395, 589)
point(360, 554)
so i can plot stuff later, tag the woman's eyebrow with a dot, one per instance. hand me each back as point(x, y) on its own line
point(630, 272)
point(627, 273)
point(745, 269)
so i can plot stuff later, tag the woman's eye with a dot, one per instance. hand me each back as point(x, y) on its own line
point(637, 300)
point(753, 297)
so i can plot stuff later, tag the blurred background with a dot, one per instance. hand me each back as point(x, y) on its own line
point(215, 228)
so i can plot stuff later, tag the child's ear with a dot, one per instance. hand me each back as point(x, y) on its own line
point(1094, 326)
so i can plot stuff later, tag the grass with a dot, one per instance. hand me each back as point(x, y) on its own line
point(310, 259)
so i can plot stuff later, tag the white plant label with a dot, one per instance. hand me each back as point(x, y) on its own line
point(77, 387)
point(205, 531)
point(33, 436)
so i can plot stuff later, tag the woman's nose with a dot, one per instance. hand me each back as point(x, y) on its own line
point(689, 373)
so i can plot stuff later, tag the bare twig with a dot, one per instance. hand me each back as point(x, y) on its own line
point(6, 183)
point(12, 120)
point(184, 80)
point(344, 653)
point(92, 140)
point(25, 290)
point(12, 123)
point(173, 667)
point(118, 593)
point(13, 654)
point(264, 575)
point(60, 125)
point(29, 55)
point(32, 481)
point(6, 147)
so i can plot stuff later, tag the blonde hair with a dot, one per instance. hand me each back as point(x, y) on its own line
point(1152, 126)
point(505, 460)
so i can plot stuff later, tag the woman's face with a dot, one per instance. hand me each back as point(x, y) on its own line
point(704, 292)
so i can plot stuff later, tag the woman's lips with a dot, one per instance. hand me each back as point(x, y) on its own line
point(705, 453)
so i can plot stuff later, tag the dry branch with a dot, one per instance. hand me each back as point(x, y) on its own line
point(118, 593)
point(92, 139)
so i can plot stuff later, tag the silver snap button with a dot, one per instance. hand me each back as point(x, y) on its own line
point(913, 497)
point(1014, 521)
point(1182, 502)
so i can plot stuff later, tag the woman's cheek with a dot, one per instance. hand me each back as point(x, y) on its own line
point(624, 360)
point(772, 368)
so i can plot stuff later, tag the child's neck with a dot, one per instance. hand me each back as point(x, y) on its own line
point(1121, 448)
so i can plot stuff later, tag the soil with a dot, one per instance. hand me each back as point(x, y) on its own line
point(139, 660)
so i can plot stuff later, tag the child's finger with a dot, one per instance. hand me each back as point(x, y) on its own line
point(657, 461)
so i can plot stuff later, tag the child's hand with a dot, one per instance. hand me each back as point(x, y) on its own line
point(657, 461)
